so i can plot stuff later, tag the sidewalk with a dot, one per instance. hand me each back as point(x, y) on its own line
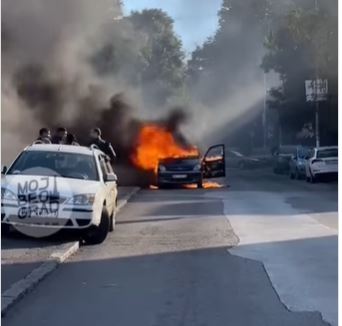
point(21, 255)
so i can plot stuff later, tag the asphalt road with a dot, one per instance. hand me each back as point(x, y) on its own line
point(202, 258)
point(21, 254)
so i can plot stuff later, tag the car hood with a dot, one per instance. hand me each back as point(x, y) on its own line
point(66, 187)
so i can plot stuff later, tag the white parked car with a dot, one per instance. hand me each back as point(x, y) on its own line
point(53, 187)
point(321, 161)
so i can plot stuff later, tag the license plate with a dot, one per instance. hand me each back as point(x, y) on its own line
point(37, 211)
point(179, 176)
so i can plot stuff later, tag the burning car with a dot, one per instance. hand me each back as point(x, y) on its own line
point(192, 170)
point(158, 151)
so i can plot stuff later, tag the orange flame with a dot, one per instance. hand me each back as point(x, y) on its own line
point(155, 143)
point(206, 185)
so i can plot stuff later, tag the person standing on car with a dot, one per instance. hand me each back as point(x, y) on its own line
point(60, 136)
point(44, 137)
point(103, 145)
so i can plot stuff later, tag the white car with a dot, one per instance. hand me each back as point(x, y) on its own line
point(321, 161)
point(53, 187)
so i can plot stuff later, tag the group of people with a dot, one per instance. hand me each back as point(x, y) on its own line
point(63, 137)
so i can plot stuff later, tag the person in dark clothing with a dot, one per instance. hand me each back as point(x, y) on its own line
point(104, 146)
point(71, 140)
point(60, 136)
point(44, 137)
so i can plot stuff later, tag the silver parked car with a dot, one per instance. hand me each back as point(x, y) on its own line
point(298, 161)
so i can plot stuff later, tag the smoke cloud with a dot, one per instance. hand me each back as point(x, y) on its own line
point(49, 79)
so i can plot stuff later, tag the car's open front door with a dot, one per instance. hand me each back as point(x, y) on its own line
point(214, 162)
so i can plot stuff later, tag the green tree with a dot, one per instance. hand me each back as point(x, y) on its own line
point(145, 51)
point(162, 72)
point(303, 46)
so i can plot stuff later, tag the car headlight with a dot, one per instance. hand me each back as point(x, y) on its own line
point(81, 199)
point(162, 168)
point(7, 194)
point(197, 167)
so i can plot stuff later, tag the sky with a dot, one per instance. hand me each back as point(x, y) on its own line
point(194, 20)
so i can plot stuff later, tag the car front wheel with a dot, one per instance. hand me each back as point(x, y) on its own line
point(5, 229)
point(112, 221)
point(96, 234)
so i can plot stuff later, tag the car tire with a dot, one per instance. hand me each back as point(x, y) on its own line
point(112, 221)
point(96, 234)
point(161, 186)
point(312, 178)
point(291, 175)
point(200, 184)
point(5, 229)
point(296, 176)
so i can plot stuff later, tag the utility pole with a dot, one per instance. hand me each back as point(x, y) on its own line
point(264, 121)
point(264, 114)
point(316, 93)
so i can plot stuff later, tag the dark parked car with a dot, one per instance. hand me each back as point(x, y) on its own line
point(282, 157)
point(297, 162)
point(192, 170)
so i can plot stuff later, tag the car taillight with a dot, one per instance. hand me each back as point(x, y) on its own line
point(317, 161)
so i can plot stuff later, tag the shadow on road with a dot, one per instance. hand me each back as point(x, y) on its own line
point(195, 287)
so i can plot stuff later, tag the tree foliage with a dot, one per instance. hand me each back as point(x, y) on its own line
point(145, 51)
point(302, 46)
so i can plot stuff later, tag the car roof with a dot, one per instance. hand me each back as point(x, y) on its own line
point(326, 147)
point(63, 148)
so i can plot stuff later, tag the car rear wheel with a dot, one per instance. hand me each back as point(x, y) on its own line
point(112, 219)
point(200, 184)
point(5, 229)
point(297, 175)
point(291, 175)
point(312, 178)
point(96, 234)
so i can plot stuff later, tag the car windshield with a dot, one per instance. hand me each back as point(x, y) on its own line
point(68, 165)
point(331, 152)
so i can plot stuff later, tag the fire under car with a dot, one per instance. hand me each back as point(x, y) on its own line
point(192, 169)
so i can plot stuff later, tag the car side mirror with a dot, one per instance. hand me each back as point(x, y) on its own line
point(4, 169)
point(111, 178)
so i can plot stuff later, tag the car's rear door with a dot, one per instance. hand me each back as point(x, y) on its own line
point(214, 162)
point(110, 184)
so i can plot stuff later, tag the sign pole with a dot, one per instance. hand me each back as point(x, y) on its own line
point(317, 124)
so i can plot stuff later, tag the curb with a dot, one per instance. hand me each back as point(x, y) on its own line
point(19, 289)
point(28, 283)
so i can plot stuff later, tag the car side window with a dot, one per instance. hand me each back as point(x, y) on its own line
point(109, 167)
point(103, 166)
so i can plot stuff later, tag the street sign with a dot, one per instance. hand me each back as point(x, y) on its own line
point(316, 90)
